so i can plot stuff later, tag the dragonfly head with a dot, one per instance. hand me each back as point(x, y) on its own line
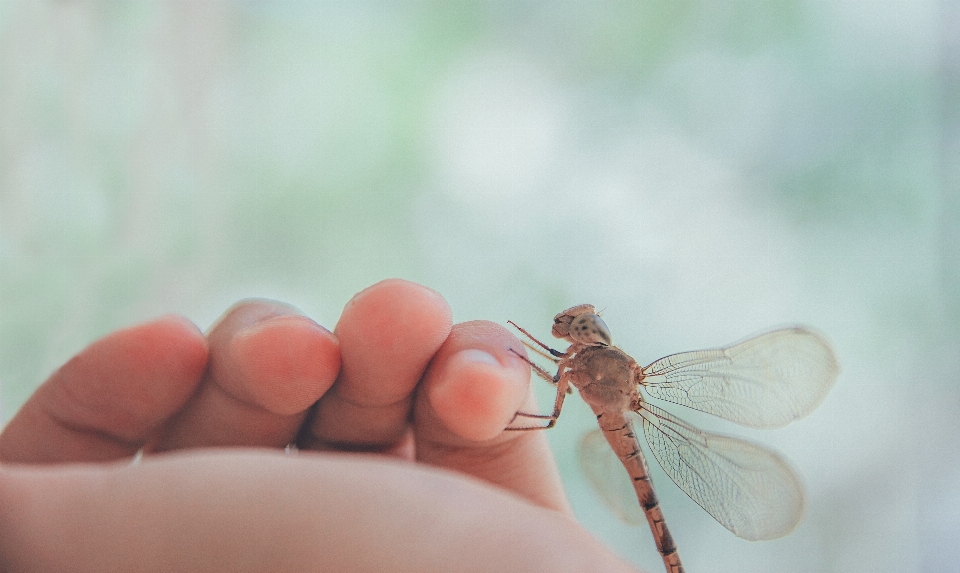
point(582, 324)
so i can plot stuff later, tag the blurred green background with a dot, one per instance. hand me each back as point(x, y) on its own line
point(701, 170)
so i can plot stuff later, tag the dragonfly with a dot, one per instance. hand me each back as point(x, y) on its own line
point(766, 381)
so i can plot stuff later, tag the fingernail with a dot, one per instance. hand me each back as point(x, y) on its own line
point(476, 357)
point(266, 322)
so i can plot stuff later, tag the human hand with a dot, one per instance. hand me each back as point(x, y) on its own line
point(163, 386)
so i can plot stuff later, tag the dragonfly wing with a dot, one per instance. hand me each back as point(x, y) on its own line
point(750, 490)
point(608, 478)
point(763, 382)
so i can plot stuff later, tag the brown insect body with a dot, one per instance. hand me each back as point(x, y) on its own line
point(608, 380)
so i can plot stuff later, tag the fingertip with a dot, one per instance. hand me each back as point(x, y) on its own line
point(466, 402)
point(475, 396)
point(167, 356)
point(475, 383)
point(179, 339)
point(287, 363)
point(107, 401)
point(375, 311)
point(268, 364)
point(388, 333)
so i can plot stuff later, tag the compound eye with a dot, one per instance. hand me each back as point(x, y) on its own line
point(588, 328)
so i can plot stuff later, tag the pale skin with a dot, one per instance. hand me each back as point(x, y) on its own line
point(440, 486)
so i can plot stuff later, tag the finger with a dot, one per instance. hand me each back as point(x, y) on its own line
point(470, 393)
point(387, 333)
point(107, 401)
point(268, 365)
point(333, 513)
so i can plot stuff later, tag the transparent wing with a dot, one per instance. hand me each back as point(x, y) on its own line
point(764, 382)
point(608, 478)
point(750, 490)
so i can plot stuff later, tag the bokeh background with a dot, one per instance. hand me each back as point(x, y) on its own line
point(700, 169)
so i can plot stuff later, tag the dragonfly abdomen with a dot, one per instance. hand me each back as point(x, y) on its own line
point(619, 433)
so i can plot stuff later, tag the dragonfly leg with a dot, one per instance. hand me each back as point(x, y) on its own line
point(551, 422)
point(537, 369)
point(563, 384)
point(540, 352)
point(552, 352)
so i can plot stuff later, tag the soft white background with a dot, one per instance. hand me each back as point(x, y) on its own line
point(700, 170)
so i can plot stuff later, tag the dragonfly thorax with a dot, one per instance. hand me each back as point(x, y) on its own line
point(604, 376)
